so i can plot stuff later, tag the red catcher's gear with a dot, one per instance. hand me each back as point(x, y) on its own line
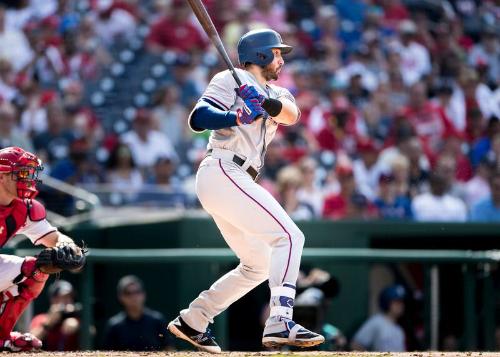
point(12, 218)
point(24, 167)
point(30, 284)
point(20, 343)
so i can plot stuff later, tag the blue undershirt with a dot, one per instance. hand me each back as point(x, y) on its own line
point(209, 115)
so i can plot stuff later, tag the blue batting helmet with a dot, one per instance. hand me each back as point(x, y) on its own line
point(390, 293)
point(256, 47)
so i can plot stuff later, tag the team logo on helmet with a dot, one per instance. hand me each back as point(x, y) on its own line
point(24, 168)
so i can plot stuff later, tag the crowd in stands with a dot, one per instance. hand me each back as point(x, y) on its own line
point(399, 102)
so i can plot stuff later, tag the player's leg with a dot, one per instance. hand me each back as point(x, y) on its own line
point(194, 320)
point(236, 283)
point(226, 191)
point(20, 283)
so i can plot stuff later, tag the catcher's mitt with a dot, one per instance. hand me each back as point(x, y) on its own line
point(64, 256)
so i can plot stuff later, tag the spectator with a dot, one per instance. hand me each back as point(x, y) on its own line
point(163, 171)
point(446, 167)
point(81, 119)
point(34, 115)
point(400, 168)
point(169, 115)
point(270, 13)
point(175, 31)
point(274, 160)
point(381, 332)
point(415, 59)
point(9, 133)
point(310, 192)
point(288, 182)
point(487, 52)
point(123, 176)
point(482, 146)
point(136, 328)
point(59, 327)
point(55, 142)
point(488, 209)
point(366, 169)
point(429, 126)
point(78, 167)
point(146, 143)
point(8, 90)
point(240, 25)
point(478, 187)
point(14, 46)
point(389, 204)
point(437, 205)
point(113, 23)
point(348, 203)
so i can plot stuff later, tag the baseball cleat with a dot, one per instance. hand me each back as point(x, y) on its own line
point(292, 335)
point(201, 340)
point(20, 343)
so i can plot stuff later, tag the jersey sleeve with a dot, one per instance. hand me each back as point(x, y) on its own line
point(35, 230)
point(220, 93)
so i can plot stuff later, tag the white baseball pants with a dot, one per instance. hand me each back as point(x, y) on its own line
point(10, 268)
point(254, 225)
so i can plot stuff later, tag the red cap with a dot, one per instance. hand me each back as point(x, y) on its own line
point(343, 170)
point(366, 145)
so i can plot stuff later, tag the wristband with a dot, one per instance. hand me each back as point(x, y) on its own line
point(272, 106)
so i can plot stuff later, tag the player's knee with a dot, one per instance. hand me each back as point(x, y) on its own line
point(255, 272)
point(297, 237)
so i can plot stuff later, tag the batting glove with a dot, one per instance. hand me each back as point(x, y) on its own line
point(251, 111)
point(248, 92)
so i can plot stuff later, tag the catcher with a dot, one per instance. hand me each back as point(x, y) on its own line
point(22, 279)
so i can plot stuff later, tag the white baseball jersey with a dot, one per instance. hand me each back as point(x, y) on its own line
point(249, 141)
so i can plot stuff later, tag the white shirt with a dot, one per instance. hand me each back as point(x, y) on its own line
point(429, 208)
point(146, 153)
point(476, 189)
point(415, 62)
point(380, 334)
point(14, 47)
point(367, 178)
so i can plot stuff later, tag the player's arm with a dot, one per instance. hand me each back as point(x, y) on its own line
point(53, 239)
point(207, 114)
point(282, 110)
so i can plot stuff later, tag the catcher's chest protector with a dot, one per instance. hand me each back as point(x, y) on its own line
point(12, 218)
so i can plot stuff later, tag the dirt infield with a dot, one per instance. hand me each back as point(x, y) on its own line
point(260, 354)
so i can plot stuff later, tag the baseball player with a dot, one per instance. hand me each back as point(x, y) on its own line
point(22, 279)
point(267, 242)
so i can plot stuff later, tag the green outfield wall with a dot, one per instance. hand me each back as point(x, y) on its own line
point(172, 283)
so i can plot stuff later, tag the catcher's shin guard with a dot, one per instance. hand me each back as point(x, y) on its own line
point(28, 285)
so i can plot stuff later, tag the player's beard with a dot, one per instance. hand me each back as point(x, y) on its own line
point(269, 73)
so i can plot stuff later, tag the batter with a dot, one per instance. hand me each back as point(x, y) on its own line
point(267, 242)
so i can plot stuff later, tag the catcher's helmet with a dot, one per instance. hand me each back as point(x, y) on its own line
point(390, 293)
point(24, 167)
point(256, 47)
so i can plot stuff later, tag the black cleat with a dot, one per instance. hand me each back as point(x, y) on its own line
point(201, 340)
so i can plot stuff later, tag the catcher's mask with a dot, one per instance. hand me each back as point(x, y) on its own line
point(24, 168)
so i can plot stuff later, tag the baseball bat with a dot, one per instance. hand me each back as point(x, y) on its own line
point(207, 24)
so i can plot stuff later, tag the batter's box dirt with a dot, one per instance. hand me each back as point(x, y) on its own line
point(251, 354)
